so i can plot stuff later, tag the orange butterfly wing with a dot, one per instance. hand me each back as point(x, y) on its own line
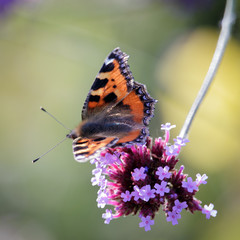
point(116, 112)
point(113, 82)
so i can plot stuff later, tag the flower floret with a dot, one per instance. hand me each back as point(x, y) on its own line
point(126, 196)
point(179, 141)
point(161, 189)
point(190, 185)
point(163, 173)
point(146, 223)
point(167, 126)
point(146, 193)
point(201, 179)
point(178, 206)
point(139, 174)
point(173, 217)
point(108, 216)
point(209, 211)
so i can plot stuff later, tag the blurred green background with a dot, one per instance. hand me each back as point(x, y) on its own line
point(50, 53)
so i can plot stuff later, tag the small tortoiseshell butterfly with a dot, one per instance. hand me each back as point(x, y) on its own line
point(116, 112)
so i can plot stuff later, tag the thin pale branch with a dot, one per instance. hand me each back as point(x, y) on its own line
point(227, 22)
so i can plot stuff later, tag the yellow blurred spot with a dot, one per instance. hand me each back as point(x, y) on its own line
point(214, 135)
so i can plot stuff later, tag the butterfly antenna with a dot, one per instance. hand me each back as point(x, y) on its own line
point(44, 110)
point(50, 150)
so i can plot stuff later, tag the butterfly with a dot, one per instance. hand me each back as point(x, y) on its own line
point(116, 112)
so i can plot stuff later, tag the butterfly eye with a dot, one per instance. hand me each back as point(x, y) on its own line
point(72, 135)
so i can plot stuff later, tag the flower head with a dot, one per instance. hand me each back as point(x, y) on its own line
point(142, 179)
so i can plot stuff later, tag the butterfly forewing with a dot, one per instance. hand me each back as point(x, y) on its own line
point(113, 82)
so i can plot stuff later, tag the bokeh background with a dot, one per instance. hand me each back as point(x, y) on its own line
point(50, 53)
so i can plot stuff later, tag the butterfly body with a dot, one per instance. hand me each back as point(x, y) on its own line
point(116, 112)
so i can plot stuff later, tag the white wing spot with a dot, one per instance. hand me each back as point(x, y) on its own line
point(107, 61)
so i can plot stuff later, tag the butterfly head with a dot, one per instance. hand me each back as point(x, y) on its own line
point(73, 134)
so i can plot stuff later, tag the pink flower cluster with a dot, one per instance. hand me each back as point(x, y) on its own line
point(141, 179)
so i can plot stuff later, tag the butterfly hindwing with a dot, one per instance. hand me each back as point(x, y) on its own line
point(141, 111)
point(85, 149)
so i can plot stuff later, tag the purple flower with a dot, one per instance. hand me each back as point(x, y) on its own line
point(167, 126)
point(97, 171)
point(98, 178)
point(178, 206)
point(173, 217)
point(163, 173)
point(146, 223)
point(143, 179)
point(139, 174)
point(102, 199)
point(180, 141)
point(190, 185)
point(136, 193)
point(172, 150)
point(107, 216)
point(201, 179)
point(209, 211)
point(146, 193)
point(161, 189)
point(126, 196)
